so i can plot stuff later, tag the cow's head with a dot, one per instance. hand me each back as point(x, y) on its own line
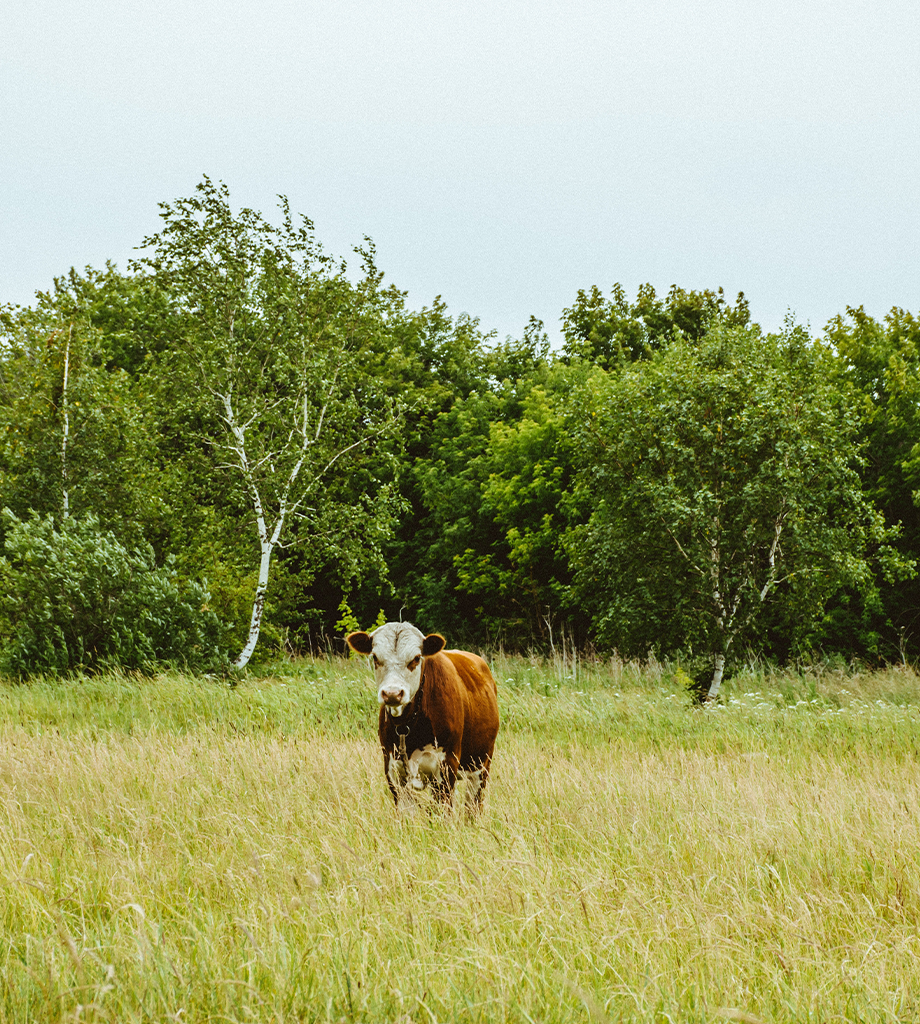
point(396, 649)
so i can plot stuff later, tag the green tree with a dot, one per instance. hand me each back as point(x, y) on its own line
point(523, 576)
point(437, 361)
point(722, 474)
point(269, 369)
point(612, 332)
point(882, 360)
point(488, 510)
point(69, 415)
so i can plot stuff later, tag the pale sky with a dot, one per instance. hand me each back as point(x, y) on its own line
point(500, 154)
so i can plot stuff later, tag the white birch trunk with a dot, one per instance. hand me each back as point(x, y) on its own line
point(267, 540)
point(258, 603)
point(299, 441)
point(718, 663)
point(65, 436)
point(723, 616)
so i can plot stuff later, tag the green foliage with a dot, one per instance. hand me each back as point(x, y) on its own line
point(272, 328)
point(493, 487)
point(498, 493)
point(722, 474)
point(77, 431)
point(523, 578)
point(273, 406)
point(443, 362)
point(882, 360)
point(349, 623)
point(75, 598)
point(612, 332)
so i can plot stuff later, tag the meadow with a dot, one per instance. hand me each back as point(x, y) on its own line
point(174, 849)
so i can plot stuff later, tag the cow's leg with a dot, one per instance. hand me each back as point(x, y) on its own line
point(395, 772)
point(476, 785)
point(444, 785)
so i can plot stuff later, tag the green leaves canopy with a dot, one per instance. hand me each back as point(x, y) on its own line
point(269, 371)
point(722, 473)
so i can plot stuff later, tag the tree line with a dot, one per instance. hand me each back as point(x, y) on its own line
point(243, 441)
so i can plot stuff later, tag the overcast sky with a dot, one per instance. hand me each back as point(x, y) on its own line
point(500, 154)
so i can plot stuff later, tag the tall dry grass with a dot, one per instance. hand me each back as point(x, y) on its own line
point(174, 850)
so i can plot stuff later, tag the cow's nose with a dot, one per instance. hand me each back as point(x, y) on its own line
point(391, 695)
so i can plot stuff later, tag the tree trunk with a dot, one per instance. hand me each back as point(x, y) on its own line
point(65, 432)
point(718, 668)
point(258, 605)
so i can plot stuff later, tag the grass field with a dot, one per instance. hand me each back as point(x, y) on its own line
point(174, 850)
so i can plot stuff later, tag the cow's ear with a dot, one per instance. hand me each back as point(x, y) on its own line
point(360, 642)
point(433, 643)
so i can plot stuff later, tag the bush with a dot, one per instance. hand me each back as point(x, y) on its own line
point(74, 598)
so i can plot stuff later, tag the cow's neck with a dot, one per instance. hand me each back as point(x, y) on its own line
point(403, 724)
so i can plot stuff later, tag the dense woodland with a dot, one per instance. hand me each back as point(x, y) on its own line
point(240, 439)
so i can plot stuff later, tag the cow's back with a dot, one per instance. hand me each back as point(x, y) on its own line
point(475, 675)
point(478, 692)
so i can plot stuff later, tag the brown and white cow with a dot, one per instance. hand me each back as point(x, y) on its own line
point(438, 712)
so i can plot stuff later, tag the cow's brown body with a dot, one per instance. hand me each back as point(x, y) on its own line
point(455, 710)
point(438, 711)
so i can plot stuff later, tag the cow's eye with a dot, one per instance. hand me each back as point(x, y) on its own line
point(376, 661)
point(413, 665)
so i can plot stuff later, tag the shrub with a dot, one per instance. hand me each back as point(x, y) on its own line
point(74, 598)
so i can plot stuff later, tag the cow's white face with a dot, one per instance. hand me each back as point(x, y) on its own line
point(396, 651)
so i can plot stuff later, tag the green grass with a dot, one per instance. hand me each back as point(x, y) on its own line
point(172, 849)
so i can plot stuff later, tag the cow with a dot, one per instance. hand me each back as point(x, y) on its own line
point(438, 712)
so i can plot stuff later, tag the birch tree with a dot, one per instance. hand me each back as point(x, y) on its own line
point(723, 476)
point(270, 365)
point(74, 438)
